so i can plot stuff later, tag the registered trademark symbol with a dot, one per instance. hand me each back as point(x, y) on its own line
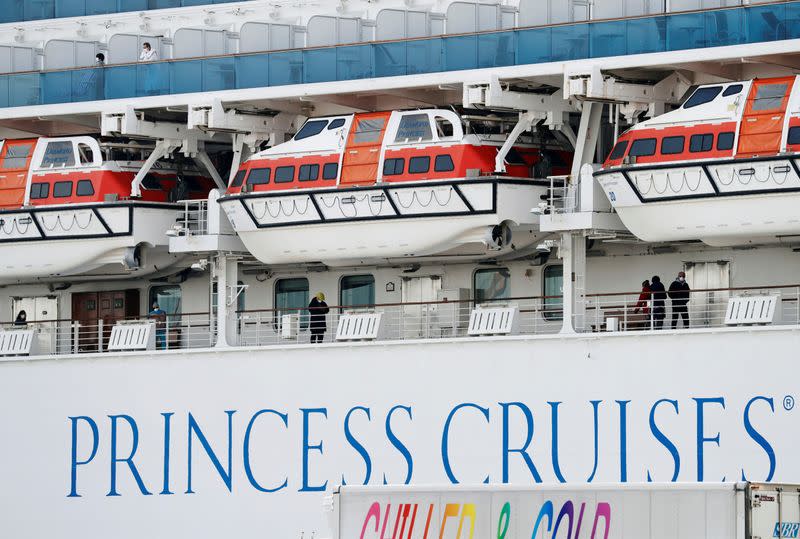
point(788, 402)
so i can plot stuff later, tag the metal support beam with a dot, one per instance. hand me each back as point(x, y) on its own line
point(586, 140)
point(572, 251)
point(225, 272)
point(129, 123)
point(492, 95)
point(526, 120)
point(163, 148)
point(203, 159)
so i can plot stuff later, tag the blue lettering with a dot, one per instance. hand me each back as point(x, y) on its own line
point(306, 447)
point(348, 434)
point(129, 459)
point(398, 444)
point(701, 437)
point(446, 438)
point(666, 442)
point(623, 440)
point(224, 474)
point(246, 451)
point(757, 437)
point(528, 437)
point(545, 511)
point(74, 462)
point(595, 405)
point(554, 443)
point(167, 418)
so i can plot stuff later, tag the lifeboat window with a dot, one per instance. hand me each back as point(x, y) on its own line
point(414, 127)
point(443, 163)
point(16, 156)
point(338, 122)
point(357, 291)
point(311, 128)
point(393, 167)
point(672, 145)
point(619, 150)
point(258, 176)
point(84, 188)
point(444, 127)
point(284, 174)
point(701, 143)
point(238, 179)
point(86, 154)
point(419, 165)
point(702, 96)
point(725, 140)
point(307, 173)
point(369, 130)
point(62, 189)
point(769, 96)
point(733, 89)
point(793, 136)
point(330, 171)
point(643, 147)
point(491, 284)
point(59, 154)
point(40, 190)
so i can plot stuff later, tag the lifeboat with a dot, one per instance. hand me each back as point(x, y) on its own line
point(66, 208)
point(722, 168)
point(383, 186)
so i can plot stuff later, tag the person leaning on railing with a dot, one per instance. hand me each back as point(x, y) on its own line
point(160, 316)
point(644, 301)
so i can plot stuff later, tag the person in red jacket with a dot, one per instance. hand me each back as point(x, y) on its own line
point(644, 300)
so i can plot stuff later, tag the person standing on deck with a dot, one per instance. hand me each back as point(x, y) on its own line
point(679, 294)
point(659, 305)
point(318, 310)
point(160, 316)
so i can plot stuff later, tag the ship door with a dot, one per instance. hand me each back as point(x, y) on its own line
point(762, 123)
point(417, 294)
point(15, 159)
point(708, 308)
point(41, 313)
point(363, 150)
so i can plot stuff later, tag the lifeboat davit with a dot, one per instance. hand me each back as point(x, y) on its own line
point(722, 168)
point(66, 208)
point(383, 186)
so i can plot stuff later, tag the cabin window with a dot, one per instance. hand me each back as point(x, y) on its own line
point(307, 173)
point(725, 140)
point(444, 127)
point(330, 171)
point(491, 284)
point(238, 179)
point(643, 147)
point(414, 127)
point(419, 165)
point(59, 154)
point(672, 145)
point(16, 156)
point(338, 122)
point(443, 163)
point(62, 189)
point(357, 291)
point(733, 89)
point(369, 130)
point(701, 143)
point(86, 154)
point(40, 190)
point(311, 128)
point(393, 167)
point(769, 96)
point(702, 96)
point(284, 174)
point(619, 150)
point(552, 290)
point(258, 176)
point(84, 188)
point(291, 297)
point(167, 297)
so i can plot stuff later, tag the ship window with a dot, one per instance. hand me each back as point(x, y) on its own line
point(311, 128)
point(619, 150)
point(769, 96)
point(414, 127)
point(84, 188)
point(62, 189)
point(491, 284)
point(167, 297)
point(284, 174)
point(702, 96)
point(258, 176)
point(443, 163)
point(40, 190)
point(16, 155)
point(330, 171)
point(419, 165)
point(307, 173)
point(393, 167)
point(725, 140)
point(793, 136)
point(672, 145)
point(291, 297)
point(59, 154)
point(643, 147)
point(553, 292)
point(701, 143)
point(86, 154)
point(369, 130)
point(239, 178)
point(338, 122)
point(733, 89)
point(444, 127)
point(357, 291)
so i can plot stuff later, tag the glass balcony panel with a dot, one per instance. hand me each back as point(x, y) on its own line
point(132, 5)
point(285, 68)
point(686, 31)
point(70, 8)
point(4, 91)
point(608, 39)
point(354, 62)
point(460, 52)
point(87, 84)
point(252, 71)
point(790, 14)
point(185, 77)
point(12, 12)
point(533, 46)
point(101, 7)
point(390, 58)
point(218, 74)
point(570, 42)
point(424, 56)
point(34, 10)
point(120, 82)
point(769, 23)
point(319, 65)
point(646, 35)
point(724, 27)
point(496, 50)
point(23, 89)
point(56, 87)
point(153, 79)
point(162, 4)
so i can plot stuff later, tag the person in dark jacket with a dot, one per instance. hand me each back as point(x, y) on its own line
point(659, 305)
point(22, 319)
point(318, 310)
point(679, 294)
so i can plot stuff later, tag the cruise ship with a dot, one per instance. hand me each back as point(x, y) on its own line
point(254, 250)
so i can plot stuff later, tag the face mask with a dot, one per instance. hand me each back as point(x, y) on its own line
point(681, 279)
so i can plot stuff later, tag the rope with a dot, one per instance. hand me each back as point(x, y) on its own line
point(74, 223)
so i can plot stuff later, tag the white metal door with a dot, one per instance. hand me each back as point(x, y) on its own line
point(43, 310)
point(708, 308)
point(418, 292)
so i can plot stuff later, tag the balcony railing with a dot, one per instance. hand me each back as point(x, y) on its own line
point(672, 32)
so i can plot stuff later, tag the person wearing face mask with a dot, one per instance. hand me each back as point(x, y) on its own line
point(679, 294)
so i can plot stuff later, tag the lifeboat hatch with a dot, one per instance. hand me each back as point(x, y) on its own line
point(763, 119)
point(363, 150)
point(15, 159)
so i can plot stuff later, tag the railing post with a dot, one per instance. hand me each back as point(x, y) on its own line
point(100, 335)
point(76, 333)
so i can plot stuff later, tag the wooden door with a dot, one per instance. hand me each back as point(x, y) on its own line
point(363, 150)
point(110, 307)
point(15, 159)
point(85, 313)
point(763, 119)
